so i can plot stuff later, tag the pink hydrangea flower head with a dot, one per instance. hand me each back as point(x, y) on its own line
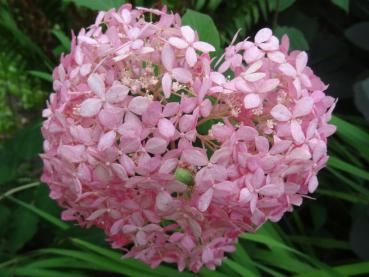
point(172, 159)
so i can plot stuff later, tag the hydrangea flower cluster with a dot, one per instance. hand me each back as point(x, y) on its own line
point(171, 158)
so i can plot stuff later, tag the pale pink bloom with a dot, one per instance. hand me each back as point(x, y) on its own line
point(172, 159)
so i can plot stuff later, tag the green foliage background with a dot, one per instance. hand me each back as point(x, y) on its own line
point(325, 237)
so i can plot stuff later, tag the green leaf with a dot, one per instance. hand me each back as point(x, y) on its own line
point(349, 168)
point(50, 218)
point(342, 4)
point(60, 263)
point(97, 5)
point(38, 272)
point(319, 242)
point(115, 256)
point(63, 39)
point(350, 197)
point(104, 263)
point(204, 25)
point(23, 228)
point(361, 89)
point(243, 271)
point(4, 217)
point(42, 75)
point(353, 134)
point(358, 34)
point(297, 38)
point(289, 263)
point(345, 270)
point(282, 4)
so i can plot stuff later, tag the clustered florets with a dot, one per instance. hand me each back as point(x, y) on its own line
point(138, 110)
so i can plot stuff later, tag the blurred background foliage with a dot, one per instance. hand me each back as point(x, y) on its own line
point(325, 237)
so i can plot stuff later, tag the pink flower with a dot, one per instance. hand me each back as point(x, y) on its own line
point(136, 104)
point(189, 44)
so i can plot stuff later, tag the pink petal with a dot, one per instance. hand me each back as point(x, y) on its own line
point(203, 46)
point(277, 57)
point(128, 164)
point(187, 122)
point(263, 35)
point(188, 33)
point(297, 85)
point(205, 108)
point(137, 44)
point(152, 115)
point(271, 45)
point(195, 156)
point(253, 77)
point(246, 133)
point(166, 128)
point(129, 228)
point(78, 56)
point(217, 78)
point(254, 67)
point(305, 80)
point(271, 190)
point(191, 56)
point(119, 171)
point(187, 243)
point(141, 237)
point(106, 140)
point(139, 105)
point(116, 227)
point(221, 156)
point(262, 144)
point(72, 153)
point(205, 200)
point(168, 166)
point(117, 94)
point(252, 54)
point(178, 43)
point(297, 133)
point(182, 75)
point(207, 255)
point(102, 173)
point(85, 69)
point(126, 16)
point(163, 201)
point(242, 86)
point(195, 227)
point(96, 84)
point(319, 151)
point(301, 61)
point(313, 184)
point(166, 83)
point(129, 144)
point(171, 109)
point(268, 85)
point(156, 145)
point(280, 112)
point(226, 187)
point(287, 69)
point(245, 195)
point(90, 107)
point(303, 106)
point(300, 153)
point(280, 147)
point(251, 101)
point(96, 214)
point(167, 57)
